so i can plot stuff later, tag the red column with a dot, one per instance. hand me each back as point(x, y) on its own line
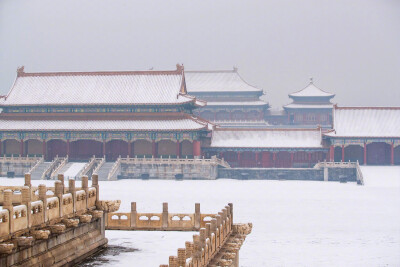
point(230, 114)
point(21, 150)
point(154, 151)
point(365, 153)
point(392, 154)
point(130, 148)
point(196, 148)
point(215, 115)
point(44, 150)
point(342, 153)
point(68, 148)
point(309, 159)
point(104, 148)
point(1, 148)
point(239, 159)
point(291, 159)
point(178, 149)
point(274, 159)
point(221, 155)
point(331, 153)
point(256, 159)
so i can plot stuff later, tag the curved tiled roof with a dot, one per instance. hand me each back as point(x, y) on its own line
point(217, 81)
point(366, 122)
point(267, 138)
point(311, 91)
point(98, 88)
point(182, 124)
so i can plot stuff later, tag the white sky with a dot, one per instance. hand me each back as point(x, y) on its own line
point(351, 48)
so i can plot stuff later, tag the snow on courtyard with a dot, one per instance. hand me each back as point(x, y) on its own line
point(295, 223)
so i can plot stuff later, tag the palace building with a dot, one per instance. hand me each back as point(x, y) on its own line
point(231, 101)
point(369, 135)
point(310, 106)
point(85, 114)
point(167, 114)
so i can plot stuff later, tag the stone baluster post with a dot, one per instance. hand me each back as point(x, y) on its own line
point(221, 214)
point(95, 184)
point(219, 220)
point(197, 216)
point(231, 212)
point(133, 214)
point(59, 193)
point(60, 177)
point(208, 230)
point(85, 187)
point(26, 200)
point(28, 180)
point(43, 198)
point(214, 231)
point(165, 216)
point(181, 257)
point(72, 190)
point(189, 249)
point(7, 205)
point(196, 255)
point(173, 261)
point(203, 238)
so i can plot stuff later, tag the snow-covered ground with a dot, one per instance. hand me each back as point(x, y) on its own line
point(295, 223)
point(74, 170)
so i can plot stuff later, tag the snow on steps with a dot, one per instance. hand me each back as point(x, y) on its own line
point(39, 170)
point(104, 170)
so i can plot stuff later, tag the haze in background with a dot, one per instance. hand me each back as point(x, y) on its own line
point(351, 48)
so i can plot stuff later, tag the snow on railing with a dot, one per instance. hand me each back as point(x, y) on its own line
point(176, 161)
point(59, 167)
point(102, 161)
point(114, 170)
point(52, 166)
point(40, 161)
point(18, 159)
point(87, 167)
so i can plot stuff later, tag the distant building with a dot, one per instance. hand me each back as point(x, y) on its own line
point(231, 101)
point(310, 106)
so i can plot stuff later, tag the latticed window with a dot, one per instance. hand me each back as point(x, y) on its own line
point(310, 117)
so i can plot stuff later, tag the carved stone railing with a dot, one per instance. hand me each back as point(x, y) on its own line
point(112, 175)
point(12, 159)
point(356, 165)
point(52, 166)
point(217, 243)
point(164, 221)
point(59, 167)
point(40, 161)
point(87, 167)
point(360, 177)
point(176, 161)
point(43, 210)
point(102, 161)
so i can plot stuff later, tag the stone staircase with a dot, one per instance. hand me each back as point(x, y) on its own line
point(66, 167)
point(105, 170)
point(38, 172)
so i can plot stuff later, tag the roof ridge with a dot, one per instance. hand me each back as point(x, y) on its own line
point(179, 71)
point(369, 107)
point(311, 83)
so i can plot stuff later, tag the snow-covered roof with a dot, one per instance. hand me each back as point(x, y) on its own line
point(366, 122)
point(217, 81)
point(102, 125)
point(311, 91)
point(309, 106)
point(98, 88)
point(267, 138)
point(238, 103)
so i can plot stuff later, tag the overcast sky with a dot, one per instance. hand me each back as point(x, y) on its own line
point(351, 48)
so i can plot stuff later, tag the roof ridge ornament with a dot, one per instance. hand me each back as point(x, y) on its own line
point(235, 69)
point(311, 80)
point(20, 70)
